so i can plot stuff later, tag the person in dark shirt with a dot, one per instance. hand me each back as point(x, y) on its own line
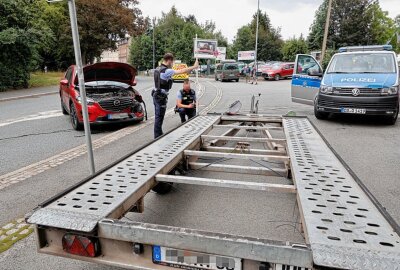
point(186, 102)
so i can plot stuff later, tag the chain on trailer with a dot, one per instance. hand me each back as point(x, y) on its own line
point(343, 225)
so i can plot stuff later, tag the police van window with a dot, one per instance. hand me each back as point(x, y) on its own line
point(306, 64)
point(363, 63)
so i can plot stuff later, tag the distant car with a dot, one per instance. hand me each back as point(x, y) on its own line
point(180, 77)
point(227, 72)
point(278, 71)
point(111, 97)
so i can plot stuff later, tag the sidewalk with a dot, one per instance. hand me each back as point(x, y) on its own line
point(26, 93)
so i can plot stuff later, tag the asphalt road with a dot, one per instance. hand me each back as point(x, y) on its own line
point(370, 148)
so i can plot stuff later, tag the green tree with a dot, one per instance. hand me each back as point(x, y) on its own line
point(22, 38)
point(292, 47)
point(269, 39)
point(173, 33)
point(357, 22)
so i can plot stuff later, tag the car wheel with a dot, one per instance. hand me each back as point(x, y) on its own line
point(277, 77)
point(391, 120)
point(74, 118)
point(216, 78)
point(237, 80)
point(319, 115)
point(64, 111)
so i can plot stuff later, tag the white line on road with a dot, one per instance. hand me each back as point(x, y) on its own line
point(36, 116)
point(54, 161)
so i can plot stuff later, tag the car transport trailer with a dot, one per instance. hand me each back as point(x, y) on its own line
point(343, 225)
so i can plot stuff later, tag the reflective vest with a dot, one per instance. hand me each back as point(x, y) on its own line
point(160, 83)
point(188, 97)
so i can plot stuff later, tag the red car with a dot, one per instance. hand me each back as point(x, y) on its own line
point(110, 94)
point(279, 71)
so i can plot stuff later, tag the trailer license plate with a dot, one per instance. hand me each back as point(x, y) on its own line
point(193, 260)
point(351, 110)
point(115, 116)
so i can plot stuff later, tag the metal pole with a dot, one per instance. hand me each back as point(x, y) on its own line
point(328, 17)
point(197, 82)
point(81, 81)
point(154, 43)
point(256, 55)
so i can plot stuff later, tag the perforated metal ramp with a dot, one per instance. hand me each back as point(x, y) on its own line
point(104, 195)
point(344, 228)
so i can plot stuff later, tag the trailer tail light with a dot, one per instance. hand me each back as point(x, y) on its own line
point(81, 245)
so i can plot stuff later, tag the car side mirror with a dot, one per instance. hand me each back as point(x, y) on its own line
point(64, 82)
point(314, 73)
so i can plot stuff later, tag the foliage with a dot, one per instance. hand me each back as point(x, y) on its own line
point(357, 22)
point(173, 33)
point(269, 39)
point(292, 47)
point(21, 40)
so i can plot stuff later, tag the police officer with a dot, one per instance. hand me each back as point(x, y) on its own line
point(186, 102)
point(162, 84)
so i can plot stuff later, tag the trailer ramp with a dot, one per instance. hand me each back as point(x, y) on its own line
point(344, 226)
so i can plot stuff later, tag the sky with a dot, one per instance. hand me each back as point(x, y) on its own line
point(294, 17)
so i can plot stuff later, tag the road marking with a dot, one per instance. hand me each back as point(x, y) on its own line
point(19, 229)
point(54, 161)
point(29, 96)
point(36, 116)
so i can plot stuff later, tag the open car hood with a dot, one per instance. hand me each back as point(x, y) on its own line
point(110, 71)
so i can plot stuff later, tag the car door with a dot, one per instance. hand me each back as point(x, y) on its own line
point(307, 76)
point(64, 85)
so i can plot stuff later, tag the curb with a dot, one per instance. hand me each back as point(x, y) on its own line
point(28, 96)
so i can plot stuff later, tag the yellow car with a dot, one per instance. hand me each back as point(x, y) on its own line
point(180, 77)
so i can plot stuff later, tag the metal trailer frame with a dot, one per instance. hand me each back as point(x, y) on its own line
point(344, 225)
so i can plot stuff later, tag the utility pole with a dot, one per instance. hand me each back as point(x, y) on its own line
point(328, 18)
point(81, 81)
point(154, 43)
point(256, 56)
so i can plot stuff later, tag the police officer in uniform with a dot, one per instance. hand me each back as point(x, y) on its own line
point(162, 84)
point(186, 102)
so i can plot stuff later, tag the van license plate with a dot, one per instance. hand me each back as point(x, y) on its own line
point(193, 260)
point(351, 110)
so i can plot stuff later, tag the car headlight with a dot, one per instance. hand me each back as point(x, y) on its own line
point(390, 90)
point(89, 101)
point(324, 89)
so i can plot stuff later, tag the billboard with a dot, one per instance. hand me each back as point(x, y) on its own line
point(221, 53)
point(246, 55)
point(205, 48)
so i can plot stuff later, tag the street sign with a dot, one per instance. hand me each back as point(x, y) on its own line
point(221, 53)
point(205, 48)
point(246, 55)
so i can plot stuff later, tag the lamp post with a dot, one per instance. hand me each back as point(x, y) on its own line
point(154, 43)
point(81, 80)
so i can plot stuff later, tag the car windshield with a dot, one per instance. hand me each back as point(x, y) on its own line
point(231, 67)
point(362, 63)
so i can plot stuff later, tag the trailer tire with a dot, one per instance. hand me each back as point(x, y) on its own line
point(162, 188)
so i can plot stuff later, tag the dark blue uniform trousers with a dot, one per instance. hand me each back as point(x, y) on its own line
point(160, 107)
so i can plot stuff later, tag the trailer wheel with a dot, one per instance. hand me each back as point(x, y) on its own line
point(162, 188)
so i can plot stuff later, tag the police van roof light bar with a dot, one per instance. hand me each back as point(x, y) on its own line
point(366, 48)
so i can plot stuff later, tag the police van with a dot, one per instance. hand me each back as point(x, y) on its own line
point(358, 80)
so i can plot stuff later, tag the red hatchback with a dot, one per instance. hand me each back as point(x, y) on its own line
point(279, 71)
point(110, 94)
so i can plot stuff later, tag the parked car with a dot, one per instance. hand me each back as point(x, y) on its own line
point(278, 71)
point(111, 97)
point(227, 72)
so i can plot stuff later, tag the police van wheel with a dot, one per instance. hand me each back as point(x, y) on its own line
point(319, 115)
